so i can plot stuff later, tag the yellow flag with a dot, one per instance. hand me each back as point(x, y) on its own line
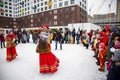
point(49, 3)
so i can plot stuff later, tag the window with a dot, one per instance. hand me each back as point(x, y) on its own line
point(55, 5)
point(45, 8)
point(10, 15)
point(41, 4)
point(10, 11)
point(50, 12)
point(6, 6)
point(31, 25)
point(10, 3)
point(55, 11)
point(80, 3)
point(55, 22)
point(41, 9)
point(85, 7)
point(66, 15)
point(66, 3)
point(6, 14)
point(55, 17)
point(42, 14)
point(60, 4)
point(37, 5)
point(5, 2)
point(38, 10)
point(28, 8)
point(60, 10)
point(72, 15)
point(6, 10)
point(31, 20)
point(72, 8)
point(61, 22)
point(10, 7)
point(72, 1)
point(66, 9)
point(55, 0)
point(50, 7)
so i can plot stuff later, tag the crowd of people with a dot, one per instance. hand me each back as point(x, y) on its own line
point(105, 43)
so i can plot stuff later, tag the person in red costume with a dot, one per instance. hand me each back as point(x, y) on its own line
point(102, 56)
point(11, 40)
point(48, 62)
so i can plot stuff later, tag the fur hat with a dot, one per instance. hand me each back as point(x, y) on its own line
point(116, 56)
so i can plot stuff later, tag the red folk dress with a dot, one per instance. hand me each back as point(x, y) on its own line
point(10, 47)
point(48, 62)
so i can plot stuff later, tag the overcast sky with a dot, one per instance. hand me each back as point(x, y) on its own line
point(104, 9)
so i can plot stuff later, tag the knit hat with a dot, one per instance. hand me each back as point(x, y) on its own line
point(116, 56)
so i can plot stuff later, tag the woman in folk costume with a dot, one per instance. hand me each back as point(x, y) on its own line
point(10, 46)
point(47, 60)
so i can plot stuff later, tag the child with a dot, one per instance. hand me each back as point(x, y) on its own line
point(102, 56)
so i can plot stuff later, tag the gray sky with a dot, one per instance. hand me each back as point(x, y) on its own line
point(104, 9)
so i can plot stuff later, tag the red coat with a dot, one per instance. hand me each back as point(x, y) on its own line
point(105, 37)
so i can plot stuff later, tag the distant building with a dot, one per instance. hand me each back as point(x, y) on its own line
point(90, 19)
point(118, 8)
point(107, 17)
point(35, 13)
point(104, 19)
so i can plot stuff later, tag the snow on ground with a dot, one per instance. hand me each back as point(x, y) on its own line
point(76, 63)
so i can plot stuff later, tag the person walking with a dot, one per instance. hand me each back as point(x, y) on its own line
point(58, 38)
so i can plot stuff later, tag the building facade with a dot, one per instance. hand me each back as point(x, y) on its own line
point(35, 13)
point(118, 8)
point(105, 19)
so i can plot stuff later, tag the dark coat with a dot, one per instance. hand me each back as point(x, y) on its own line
point(2, 38)
point(114, 73)
point(58, 36)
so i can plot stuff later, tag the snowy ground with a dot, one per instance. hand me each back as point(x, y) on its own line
point(76, 63)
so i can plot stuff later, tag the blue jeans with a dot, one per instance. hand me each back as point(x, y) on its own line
point(56, 42)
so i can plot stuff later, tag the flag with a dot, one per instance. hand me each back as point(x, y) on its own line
point(2, 11)
point(22, 11)
point(49, 3)
point(2, 4)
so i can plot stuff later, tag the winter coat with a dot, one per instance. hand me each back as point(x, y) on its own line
point(58, 36)
point(10, 41)
point(2, 38)
point(105, 38)
point(114, 73)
